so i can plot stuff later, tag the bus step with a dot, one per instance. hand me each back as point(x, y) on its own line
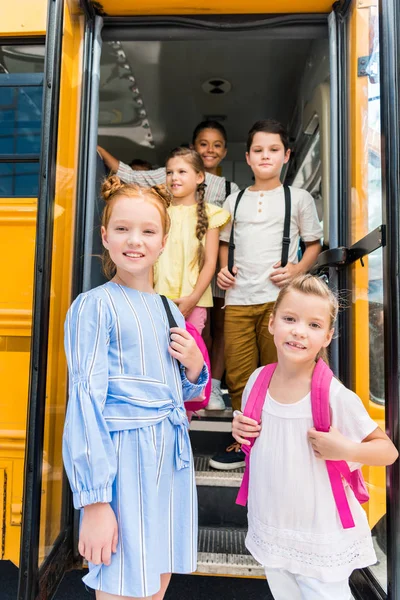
point(207, 476)
point(217, 491)
point(211, 424)
point(209, 442)
point(221, 551)
point(213, 415)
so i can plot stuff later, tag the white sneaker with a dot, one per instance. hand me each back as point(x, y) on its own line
point(216, 401)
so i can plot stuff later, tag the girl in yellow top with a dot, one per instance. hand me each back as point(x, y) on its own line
point(185, 269)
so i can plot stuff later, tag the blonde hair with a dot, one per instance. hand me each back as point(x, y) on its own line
point(194, 159)
point(311, 286)
point(113, 188)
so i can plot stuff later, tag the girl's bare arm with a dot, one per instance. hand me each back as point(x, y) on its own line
point(98, 536)
point(244, 428)
point(210, 263)
point(187, 303)
point(375, 450)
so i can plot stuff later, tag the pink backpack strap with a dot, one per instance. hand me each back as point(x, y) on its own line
point(253, 409)
point(320, 388)
point(201, 401)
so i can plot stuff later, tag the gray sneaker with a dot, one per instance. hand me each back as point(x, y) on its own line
point(216, 401)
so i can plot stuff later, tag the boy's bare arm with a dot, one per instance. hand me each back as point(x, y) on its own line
point(309, 257)
point(282, 275)
point(225, 279)
point(223, 254)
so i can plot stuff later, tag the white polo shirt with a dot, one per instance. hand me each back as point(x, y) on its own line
point(258, 239)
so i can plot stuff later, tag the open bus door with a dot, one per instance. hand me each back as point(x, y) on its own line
point(47, 548)
point(363, 263)
point(47, 536)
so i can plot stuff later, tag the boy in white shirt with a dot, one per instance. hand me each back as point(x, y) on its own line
point(257, 274)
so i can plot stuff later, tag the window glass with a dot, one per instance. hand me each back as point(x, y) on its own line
point(372, 140)
point(308, 177)
point(310, 166)
point(21, 91)
point(19, 179)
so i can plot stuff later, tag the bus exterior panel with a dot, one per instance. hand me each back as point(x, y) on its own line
point(61, 276)
point(24, 24)
point(361, 28)
point(24, 18)
point(17, 234)
point(18, 221)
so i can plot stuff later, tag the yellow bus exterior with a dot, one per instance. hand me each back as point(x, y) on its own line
point(18, 221)
point(22, 20)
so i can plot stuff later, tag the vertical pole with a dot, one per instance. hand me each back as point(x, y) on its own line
point(333, 172)
point(28, 578)
point(389, 24)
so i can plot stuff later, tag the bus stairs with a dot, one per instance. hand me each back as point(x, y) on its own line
point(222, 523)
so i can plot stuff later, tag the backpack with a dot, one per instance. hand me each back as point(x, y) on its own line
point(200, 401)
point(286, 230)
point(338, 471)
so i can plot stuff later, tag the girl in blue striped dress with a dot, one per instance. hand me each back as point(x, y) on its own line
point(126, 444)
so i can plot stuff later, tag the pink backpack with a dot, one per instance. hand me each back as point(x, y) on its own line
point(338, 471)
point(200, 401)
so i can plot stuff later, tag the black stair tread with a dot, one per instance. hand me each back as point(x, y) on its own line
point(222, 540)
point(222, 551)
point(205, 475)
point(213, 415)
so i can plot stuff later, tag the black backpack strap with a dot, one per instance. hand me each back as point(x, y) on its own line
point(227, 188)
point(286, 227)
point(231, 248)
point(170, 316)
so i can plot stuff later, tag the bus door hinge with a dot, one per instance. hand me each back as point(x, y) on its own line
point(362, 66)
point(367, 66)
point(342, 256)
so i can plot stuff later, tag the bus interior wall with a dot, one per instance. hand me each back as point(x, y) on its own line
point(153, 94)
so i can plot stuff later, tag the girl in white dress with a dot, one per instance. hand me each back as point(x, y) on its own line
point(295, 530)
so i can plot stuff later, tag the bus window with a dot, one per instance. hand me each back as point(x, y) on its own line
point(21, 79)
point(312, 166)
point(308, 176)
point(375, 268)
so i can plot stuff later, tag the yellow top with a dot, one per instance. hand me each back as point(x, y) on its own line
point(175, 275)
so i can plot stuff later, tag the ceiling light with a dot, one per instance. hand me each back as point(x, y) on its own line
point(217, 86)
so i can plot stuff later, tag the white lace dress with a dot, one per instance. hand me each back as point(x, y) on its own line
point(293, 520)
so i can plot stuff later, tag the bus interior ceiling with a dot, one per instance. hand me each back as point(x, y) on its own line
point(153, 93)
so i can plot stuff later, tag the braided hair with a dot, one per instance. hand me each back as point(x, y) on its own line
point(194, 159)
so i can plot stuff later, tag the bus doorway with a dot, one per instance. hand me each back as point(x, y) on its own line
point(235, 73)
point(149, 73)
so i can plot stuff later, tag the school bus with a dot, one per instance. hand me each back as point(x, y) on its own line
point(74, 74)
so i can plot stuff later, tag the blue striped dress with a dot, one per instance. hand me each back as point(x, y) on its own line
point(126, 438)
